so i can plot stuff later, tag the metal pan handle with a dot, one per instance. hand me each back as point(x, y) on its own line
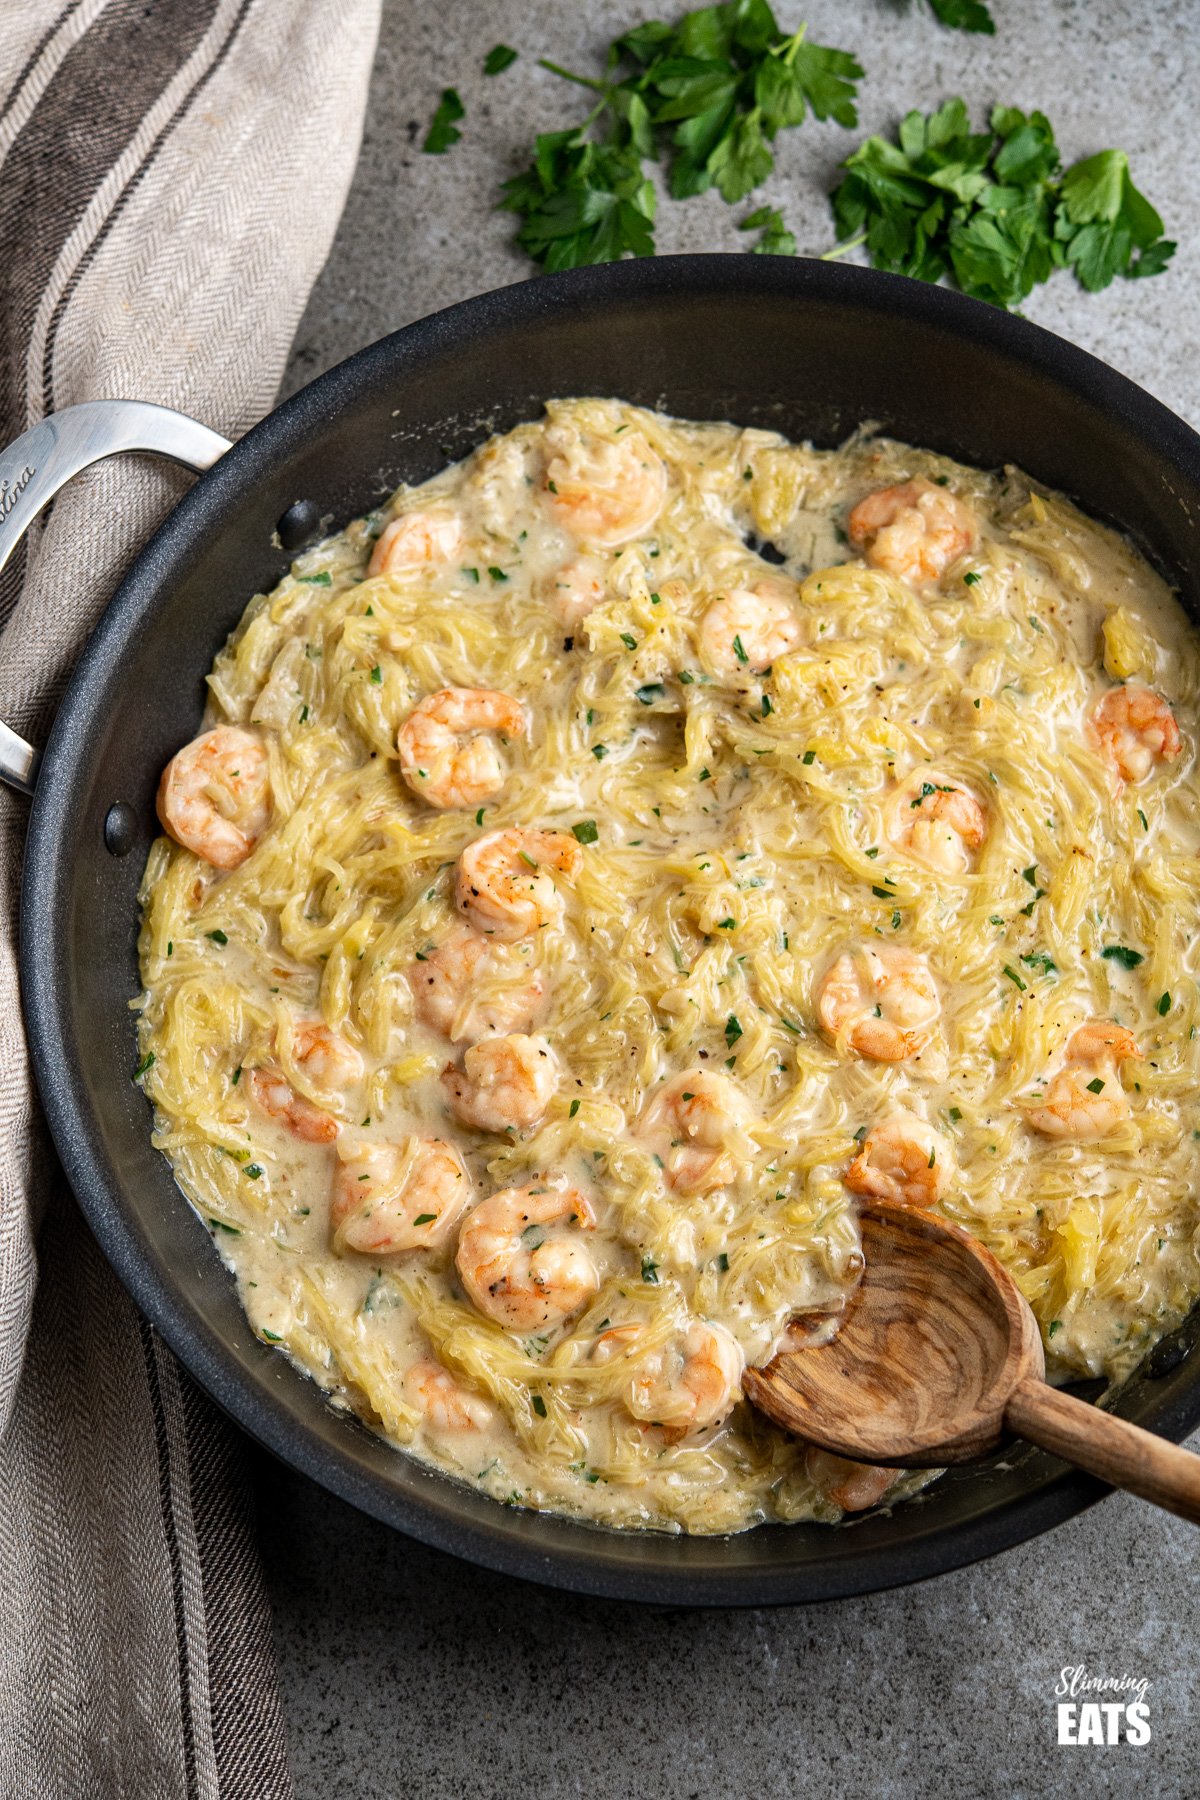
point(46, 457)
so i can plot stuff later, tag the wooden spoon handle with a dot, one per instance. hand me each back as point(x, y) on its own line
point(1120, 1453)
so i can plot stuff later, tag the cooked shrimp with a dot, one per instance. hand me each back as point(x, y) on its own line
point(1135, 728)
point(854, 1486)
point(215, 795)
point(1099, 1039)
point(327, 1059)
point(576, 589)
point(915, 530)
point(445, 1405)
point(504, 882)
point(692, 1381)
point(517, 1271)
point(505, 1084)
point(471, 986)
point(904, 1160)
point(444, 755)
point(280, 1101)
point(935, 822)
point(1085, 1099)
point(393, 1197)
point(604, 491)
point(696, 1126)
point(882, 1002)
point(744, 631)
point(415, 538)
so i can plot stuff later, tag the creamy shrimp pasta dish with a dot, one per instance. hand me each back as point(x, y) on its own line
point(605, 863)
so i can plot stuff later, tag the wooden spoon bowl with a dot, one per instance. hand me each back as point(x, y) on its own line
point(938, 1358)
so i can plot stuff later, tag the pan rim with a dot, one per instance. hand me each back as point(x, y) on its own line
point(555, 1551)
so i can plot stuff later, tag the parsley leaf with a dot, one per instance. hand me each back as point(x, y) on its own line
point(499, 58)
point(1103, 219)
point(582, 203)
point(964, 15)
point(443, 126)
point(776, 239)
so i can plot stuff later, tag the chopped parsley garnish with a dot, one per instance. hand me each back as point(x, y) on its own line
point(972, 578)
point(709, 93)
point(650, 1270)
point(496, 574)
point(1030, 875)
point(220, 1225)
point(629, 641)
point(1095, 1087)
point(599, 751)
point(573, 1109)
point(649, 692)
point(733, 1030)
point(1164, 1005)
point(424, 1218)
point(1040, 959)
point(377, 675)
point(323, 579)
point(739, 650)
point(1014, 977)
point(883, 893)
point(955, 1114)
point(443, 127)
point(472, 575)
point(809, 758)
point(272, 1337)
point(586, 831)
point(1054, 1328)
point(218, 937)
point(686, 678)
point(1120, 953)
point(766, 706)
point(539, 1405)
point(147, 1062)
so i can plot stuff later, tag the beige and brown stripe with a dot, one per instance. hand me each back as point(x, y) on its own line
point(162, 222)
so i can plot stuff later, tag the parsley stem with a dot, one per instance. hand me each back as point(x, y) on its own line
point(587, 81)
point(843, 249)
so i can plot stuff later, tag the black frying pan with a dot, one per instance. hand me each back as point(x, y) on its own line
point(806, 348)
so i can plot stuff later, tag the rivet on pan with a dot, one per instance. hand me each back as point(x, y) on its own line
point(120, 829)
point(300, 522)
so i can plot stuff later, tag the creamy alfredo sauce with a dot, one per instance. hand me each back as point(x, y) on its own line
point(862, 817)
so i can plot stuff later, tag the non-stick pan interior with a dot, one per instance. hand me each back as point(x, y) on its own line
point(808, 349)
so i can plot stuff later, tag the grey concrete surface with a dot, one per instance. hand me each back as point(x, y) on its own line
point(407, 1674)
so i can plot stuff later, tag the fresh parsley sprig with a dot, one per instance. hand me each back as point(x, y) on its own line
point(992, 210)
point(709, 94)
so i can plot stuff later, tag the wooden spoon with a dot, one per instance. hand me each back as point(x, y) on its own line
point(938, 1357)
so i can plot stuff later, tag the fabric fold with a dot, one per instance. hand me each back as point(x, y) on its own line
point(170, 181)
